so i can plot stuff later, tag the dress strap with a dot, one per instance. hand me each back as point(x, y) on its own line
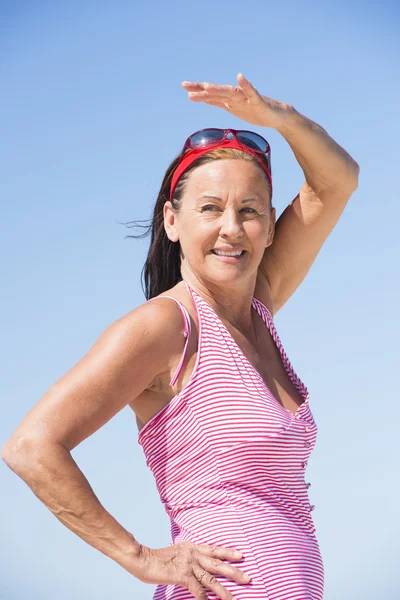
point(186, 333)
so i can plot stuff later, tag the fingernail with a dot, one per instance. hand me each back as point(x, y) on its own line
point(237, 553)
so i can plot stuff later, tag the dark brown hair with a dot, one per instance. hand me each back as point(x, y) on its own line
point(162, 269)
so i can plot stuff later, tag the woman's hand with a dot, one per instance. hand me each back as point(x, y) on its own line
point(242, 101)
point(182, 564)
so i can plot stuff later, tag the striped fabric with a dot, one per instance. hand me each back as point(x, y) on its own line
point(229, 463)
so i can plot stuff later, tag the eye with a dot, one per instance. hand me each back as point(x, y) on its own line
point(210, 206)
point(252, 210)
point(214, 208)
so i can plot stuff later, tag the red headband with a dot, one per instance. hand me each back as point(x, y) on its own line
point(193, 154)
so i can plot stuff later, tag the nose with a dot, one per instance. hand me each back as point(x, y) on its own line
point(231, 224)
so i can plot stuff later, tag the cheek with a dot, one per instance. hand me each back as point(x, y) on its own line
point(198, 237)
point(256, 228)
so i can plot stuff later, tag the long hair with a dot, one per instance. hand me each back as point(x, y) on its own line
point(162, 269)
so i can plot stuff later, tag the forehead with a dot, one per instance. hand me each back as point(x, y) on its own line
point(228, 174)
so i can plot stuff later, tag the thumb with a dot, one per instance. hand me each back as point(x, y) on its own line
point(248, 89)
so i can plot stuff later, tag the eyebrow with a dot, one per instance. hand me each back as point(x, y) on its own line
point(243, 201)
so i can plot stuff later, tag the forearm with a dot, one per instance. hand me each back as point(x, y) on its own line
point(54, 477)
point(326, 165)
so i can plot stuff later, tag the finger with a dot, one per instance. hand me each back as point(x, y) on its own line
point(195, 588)
point(215, 565)
point(198, 96)
point(219, 551)
point(223, 105)
point(205, 97)
point(208, 97)
point(212, 88)
point(210, 582)
point(224, 90)
point(198, 85)
point(247, 87)
point(193, 86)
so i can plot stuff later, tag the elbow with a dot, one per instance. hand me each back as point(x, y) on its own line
point(350, 183)
point(5, 454)
point(18, 452)
point(11, 453)
point(355, 174)
point(343, 186)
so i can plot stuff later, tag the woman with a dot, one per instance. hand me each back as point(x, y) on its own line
point(224, 420)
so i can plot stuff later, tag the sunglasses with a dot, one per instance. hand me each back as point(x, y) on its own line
point(206, 138)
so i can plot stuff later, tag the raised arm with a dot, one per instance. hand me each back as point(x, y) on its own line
point(121, 364)
point(301, 230)
point(331, 176)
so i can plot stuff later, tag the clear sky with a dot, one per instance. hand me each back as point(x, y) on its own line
point(92, 112)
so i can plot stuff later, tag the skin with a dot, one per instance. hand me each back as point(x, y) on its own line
point(133, 360)
point(204, 223)
point(137, 350)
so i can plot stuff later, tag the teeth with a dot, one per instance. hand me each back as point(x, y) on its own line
point(222, 253)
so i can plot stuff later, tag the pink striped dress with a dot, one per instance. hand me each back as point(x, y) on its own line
point(229, 463)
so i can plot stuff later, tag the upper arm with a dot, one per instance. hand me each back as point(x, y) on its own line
point(300, 233)
point(121, 364)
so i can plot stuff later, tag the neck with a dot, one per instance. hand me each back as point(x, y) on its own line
point(231, 302)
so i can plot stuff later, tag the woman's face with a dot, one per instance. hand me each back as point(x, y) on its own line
point(225, 206)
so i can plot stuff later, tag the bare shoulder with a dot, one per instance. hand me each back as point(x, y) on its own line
point(160, 318)
point(156, 328)
point(159, 391)
point(120, 365)
point(165, 319)
point(148, 330)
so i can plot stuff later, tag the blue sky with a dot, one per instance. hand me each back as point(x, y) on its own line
point(92, 112)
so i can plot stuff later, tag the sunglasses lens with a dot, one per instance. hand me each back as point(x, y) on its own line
point(253, 140)
point(209, 137)
point(205, 138)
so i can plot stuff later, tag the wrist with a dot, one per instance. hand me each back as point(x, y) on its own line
point(129, 553)
point(295, 122)
point(290, 121)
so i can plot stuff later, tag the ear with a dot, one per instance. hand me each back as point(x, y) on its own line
point(271, 231)
point(170, 222)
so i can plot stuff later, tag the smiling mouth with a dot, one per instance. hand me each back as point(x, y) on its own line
point(228, 255)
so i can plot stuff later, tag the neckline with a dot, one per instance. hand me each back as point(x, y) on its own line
point(285, 361)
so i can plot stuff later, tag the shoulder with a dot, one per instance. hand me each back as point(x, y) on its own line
point(142, 343)
point(127, 357)
point(160, 324)
point(155, 324)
